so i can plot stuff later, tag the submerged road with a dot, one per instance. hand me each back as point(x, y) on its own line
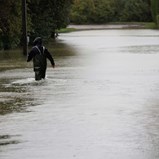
point(100, 102)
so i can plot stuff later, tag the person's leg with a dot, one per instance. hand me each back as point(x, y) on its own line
point(43, 73)
point(38, 75)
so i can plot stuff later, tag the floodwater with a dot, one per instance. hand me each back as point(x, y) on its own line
point(100, 102)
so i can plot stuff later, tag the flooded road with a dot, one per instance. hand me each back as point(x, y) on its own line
point(100, 102)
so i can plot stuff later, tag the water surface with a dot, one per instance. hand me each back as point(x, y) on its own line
point(101, 100)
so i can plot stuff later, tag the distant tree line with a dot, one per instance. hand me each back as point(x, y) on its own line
point(44, 17)
point(155, 10)
point(104, 11)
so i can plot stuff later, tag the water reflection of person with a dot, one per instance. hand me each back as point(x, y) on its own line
point(39, 54)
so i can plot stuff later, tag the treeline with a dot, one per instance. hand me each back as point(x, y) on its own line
point(155, 11)
point(44, 17)
point(104, 11)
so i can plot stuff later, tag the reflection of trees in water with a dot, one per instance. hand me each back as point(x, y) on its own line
point(11, 54)
point(15, 59)
point(7, 140)
point(11, 105)
point(12, 59)
point(59, 48)
point(14, 98)
point(64, 53)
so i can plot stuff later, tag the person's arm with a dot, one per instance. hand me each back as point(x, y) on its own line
point(30, 55)
point(48, 55)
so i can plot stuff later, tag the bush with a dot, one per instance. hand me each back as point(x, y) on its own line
point(136, 10)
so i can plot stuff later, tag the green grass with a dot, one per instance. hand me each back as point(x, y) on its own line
point(142, 25)
point(150, 25)
point(66, 30)
point(146, 25)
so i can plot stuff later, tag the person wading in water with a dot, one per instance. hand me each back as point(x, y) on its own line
point(39, 54)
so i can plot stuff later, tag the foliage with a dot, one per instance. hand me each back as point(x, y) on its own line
point(136, 10)
point(103, 11)
point(43, 18)
point(82, 11)
point(47, 16)
point(155, 10)
point(10, 23)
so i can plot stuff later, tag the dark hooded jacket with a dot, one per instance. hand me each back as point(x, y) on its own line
point(39, 54)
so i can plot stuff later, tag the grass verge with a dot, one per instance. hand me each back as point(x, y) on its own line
point(67, 30)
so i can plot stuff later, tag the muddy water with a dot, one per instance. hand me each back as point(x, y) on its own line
point(101, 100)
